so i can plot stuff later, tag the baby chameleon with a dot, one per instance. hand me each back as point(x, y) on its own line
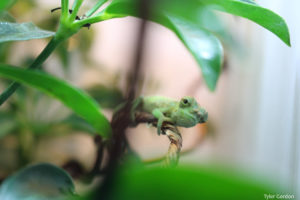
point(185, 113)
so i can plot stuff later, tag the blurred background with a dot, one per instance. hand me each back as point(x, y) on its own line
point(254, 114)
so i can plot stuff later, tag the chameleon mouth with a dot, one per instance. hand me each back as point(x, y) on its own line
point(203, 117)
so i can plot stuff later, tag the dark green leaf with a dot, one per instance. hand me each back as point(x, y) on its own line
point(25, 31)
point(262, 16)
point(38, 182)
point(72, 97)
point(205, 47)
point(192, 183)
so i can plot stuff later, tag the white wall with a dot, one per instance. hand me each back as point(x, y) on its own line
point(260, 123)
point(277, 130)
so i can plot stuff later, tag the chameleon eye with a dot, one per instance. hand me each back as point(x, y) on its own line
point(185, 101)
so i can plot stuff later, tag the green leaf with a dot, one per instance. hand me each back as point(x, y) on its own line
point(72, 97)
point(262, 16)
point(38, 182)
point(25, 31)
point(192, 183)
point(204, 46)
point(6, 17)
point(249, 1)
point(5, 4)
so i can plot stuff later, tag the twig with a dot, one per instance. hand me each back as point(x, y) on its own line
point(171, 131)
point(197, 142)
point(99, 157)
point(173, 154)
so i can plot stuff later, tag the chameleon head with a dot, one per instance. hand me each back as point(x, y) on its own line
point(188, 113)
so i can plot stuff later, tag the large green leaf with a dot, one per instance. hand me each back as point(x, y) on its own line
point(262, 16)
point(38, 182)
point(204, 46)
point(25, 31)
point(192, 183)
point(186, 182)
point(72, 97)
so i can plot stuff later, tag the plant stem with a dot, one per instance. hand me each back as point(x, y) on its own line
point(35, 65)
point(100, 147)
point(95, 8)
point(65, 8)
point(94, 19)
point(75, 9)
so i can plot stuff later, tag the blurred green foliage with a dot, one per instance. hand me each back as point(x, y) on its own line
point(200, 30)
point(187, 182)
point(6, 4)
point(73, 98)
point(136, 182)
point(108, 97)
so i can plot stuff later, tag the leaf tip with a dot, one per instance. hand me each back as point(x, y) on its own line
point(288, 41)
point(211, 84)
